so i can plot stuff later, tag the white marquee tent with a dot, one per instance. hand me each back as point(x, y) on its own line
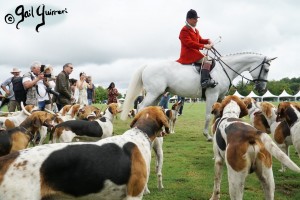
point(254, 96)
point(269, 95)
point(297, 96)
point(285, 95)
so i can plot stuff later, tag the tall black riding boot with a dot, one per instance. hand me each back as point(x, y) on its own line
point(206, 81)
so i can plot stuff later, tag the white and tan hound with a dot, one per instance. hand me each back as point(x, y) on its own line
point(113, 168)
point(18, 118)
point(257, 119)
point(98, 129)
point(280, 130)
point(290, 112)
point(244, 150)
point(173, 115)
point(19, 137)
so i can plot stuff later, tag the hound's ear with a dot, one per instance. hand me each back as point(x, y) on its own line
point(97, 113)
point(247, 101)
point(216, 109)
point(137, 116)
point(243, 107)
point(163, 119)
point(266, 108)
point(36, 122)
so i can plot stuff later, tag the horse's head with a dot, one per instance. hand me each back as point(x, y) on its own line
point(260, 74)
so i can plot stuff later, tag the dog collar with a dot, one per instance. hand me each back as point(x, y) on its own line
point(28, 132)
point(145, 134)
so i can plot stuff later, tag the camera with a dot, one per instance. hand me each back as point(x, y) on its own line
point(47, 75)
point(49, 90)
point(42, 71)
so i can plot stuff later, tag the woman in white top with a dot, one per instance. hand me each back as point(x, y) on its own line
point(82, 87)
point(43, 97)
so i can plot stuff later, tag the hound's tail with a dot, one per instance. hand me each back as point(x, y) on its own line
point(277, 153)
point(134, 88)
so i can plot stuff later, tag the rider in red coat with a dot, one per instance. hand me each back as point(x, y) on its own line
point(191, 43)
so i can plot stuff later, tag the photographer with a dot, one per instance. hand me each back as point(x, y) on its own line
point(44, 88)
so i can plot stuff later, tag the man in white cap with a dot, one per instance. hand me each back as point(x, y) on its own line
point(7, 87)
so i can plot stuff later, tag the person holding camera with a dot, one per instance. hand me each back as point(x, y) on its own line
point(44, 88)
point(82, 87)
point(30, 80)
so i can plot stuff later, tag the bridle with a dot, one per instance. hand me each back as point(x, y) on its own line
point(255, 81)
point(261, 65)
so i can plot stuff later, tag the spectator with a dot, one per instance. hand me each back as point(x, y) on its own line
point(82, 87)
point(9, 92)
point(43, 86)
point(112, 94)
point(74, 90)
point(164, 101)
point(63, 86)
point(30, 80)
point(90, 90)
point(182, 99)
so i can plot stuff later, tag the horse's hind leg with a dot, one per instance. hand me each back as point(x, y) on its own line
point(149, 100)
point(209, 102)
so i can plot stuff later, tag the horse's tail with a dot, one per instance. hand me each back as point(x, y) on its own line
point(134, 88)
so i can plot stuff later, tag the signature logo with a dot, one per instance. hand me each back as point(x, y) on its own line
point(39, 14)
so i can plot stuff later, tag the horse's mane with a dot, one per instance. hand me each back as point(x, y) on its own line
point(234, 54)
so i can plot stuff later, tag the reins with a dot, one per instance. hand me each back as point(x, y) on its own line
point(222, 63)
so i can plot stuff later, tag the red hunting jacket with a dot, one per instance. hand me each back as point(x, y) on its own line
point(191, 43)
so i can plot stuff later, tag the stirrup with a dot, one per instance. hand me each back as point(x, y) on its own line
point(209, 83)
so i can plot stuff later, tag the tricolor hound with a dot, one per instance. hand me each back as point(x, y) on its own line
point(173, 115)
point(245, 150)
point(19, 137)
point(16, 120)
point(290, 112)
point(257, 119)
point(100, 128)
point(279, 130)
point(113, 168)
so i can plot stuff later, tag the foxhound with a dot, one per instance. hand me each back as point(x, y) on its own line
point(290, 112)
point(257, 119)
point(19, 137)
point(132, 113)
point(173, 115)
point(245, 150)
point(89, 111)
point(100, 128)
point(16, 120)
point(113, 168)
point(279, 130)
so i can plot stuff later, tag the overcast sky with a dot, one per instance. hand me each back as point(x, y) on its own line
point(110, 39)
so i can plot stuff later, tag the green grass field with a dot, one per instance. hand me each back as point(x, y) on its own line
point(188, 170)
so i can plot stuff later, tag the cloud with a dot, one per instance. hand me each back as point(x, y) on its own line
point(110, 39)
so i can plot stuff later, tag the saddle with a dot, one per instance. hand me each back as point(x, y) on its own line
point(198, 66)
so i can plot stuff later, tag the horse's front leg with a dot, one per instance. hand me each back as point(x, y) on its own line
point(206, 127)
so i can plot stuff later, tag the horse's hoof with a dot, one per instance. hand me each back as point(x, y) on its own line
point(208, 137)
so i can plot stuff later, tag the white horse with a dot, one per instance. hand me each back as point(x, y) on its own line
point(184, 80)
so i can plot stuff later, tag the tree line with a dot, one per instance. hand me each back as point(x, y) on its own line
point(292, 87)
